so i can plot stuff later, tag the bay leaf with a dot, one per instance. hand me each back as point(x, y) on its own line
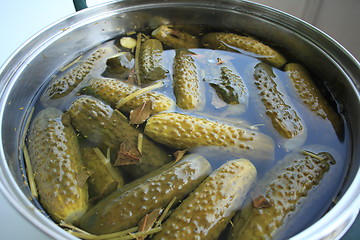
point(128, 154)
point(140, 114)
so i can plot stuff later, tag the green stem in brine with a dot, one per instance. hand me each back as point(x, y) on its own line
point(140, 142)
point(137, 53)
point(84, 235)
point(124, 100)
point(139, 234)
point(164, 214)
point(108, 165)
point(26, 127)
point(30, 172)
point(311, 154)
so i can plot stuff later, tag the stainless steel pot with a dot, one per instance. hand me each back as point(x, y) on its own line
point(31, 65)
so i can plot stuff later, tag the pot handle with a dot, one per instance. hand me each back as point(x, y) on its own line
point(79, 4)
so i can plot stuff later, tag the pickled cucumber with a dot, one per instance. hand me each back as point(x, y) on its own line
point(234, 42)
point(101, 182)
point(182, 131)
point(207, 211)
point(310, 94)
point(285, 187)
point(174, 38)
point(283, 116)
point(57, 163)
point(103, 125)
point(187, 86)
point(150, 61)
point(62, 86)
point(112, 90)
point(122, 210)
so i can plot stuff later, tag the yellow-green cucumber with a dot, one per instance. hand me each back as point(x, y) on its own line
point(57, 164)
point(210, 207)
point(123, 209)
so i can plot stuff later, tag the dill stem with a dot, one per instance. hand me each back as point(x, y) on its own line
point(124, 100)
point(164, 214)
point(139, 234)
point(106, 161)
point(30, 172)
point(311, 154)
point(137, 54)
point(140, 142)
point(116, 235)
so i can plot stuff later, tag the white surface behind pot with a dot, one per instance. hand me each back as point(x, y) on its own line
point(19, 20)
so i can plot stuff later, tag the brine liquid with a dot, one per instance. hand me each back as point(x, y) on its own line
point(319, 131)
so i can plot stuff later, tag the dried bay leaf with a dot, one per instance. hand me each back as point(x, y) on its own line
point(140, 114)
point(128, 154)
point(131, 79)
point(259, 200)
point(147, 222)
point(179, 155)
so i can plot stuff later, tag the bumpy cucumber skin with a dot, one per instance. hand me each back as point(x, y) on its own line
point(310, 94)
point(122, 210)
point(174, 38)
point(150, 61)
point(284, 187)
point(100, 180)
point(231, 41)
point(182, 131)
point(187, 85)
point(230, 87)
point(103, 125)
point(284, 117)
point(207, 211)
point(56, 160)
point(112, 90)
point(61, 87)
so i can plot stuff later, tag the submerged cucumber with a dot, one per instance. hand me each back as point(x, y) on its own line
point(57, 164)
point(207, 211)
point(62, 86)
point(282, 114)
point(234, 42)
point(174, 38)
point(112, 90)
point(182, 131)
point(101, 181)
point(310, 94)
point(187, 85)
point(284, 188)
point(103, 125)
point(150, 61)
point(123, 209)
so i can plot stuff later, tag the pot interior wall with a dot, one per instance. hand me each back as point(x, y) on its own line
point(30, 70)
